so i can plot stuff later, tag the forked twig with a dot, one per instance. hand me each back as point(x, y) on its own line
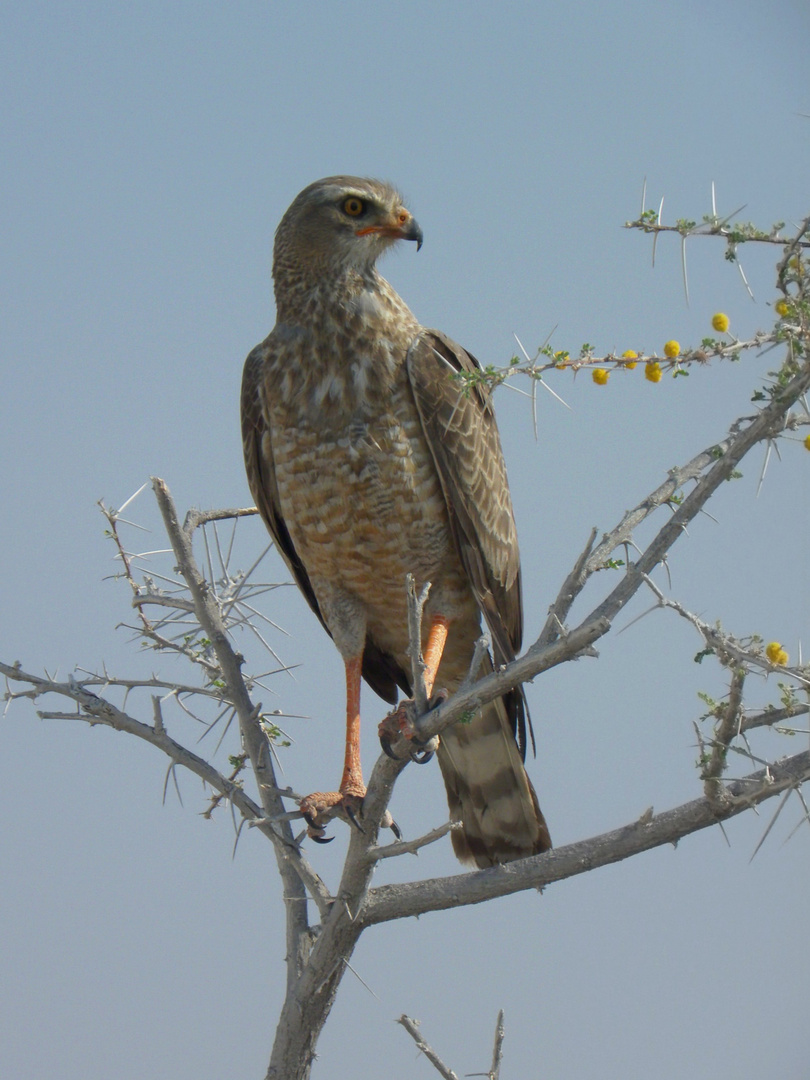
point(412, 1027)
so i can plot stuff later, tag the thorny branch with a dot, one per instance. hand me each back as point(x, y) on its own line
point(727, 729)
point(494, 1072)
point(254, 738)
point(497, 1049)
point(789, 281)
point(98, 710)
point(416, 605)
point(412, 1027)
point(708, 471)
point(387, 902)
point(224, 667)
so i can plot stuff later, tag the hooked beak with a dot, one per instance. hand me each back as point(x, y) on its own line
point(413, 232)
point(403, 227)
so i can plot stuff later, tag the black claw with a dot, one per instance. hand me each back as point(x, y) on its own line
point(420, 755)
point(385, 743)
point(317, 832)
point(350, 814)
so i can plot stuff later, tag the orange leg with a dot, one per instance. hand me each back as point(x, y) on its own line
point(320, 806)
point(352, 782)
point(400, 721)
point(437, 639)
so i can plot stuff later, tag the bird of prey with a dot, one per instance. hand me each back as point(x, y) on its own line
point(369, 460)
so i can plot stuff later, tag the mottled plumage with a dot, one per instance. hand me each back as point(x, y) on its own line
point(367, 462)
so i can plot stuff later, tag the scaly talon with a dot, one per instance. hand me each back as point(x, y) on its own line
point(320, 807)
point(400, 724)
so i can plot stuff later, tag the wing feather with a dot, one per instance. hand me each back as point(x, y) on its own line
point(459, 425)
point(460, 429)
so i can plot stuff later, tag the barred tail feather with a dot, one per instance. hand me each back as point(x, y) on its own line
point(489, 791)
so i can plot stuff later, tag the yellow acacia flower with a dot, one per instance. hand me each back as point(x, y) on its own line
point(671, 350)
point(652, 371)
point(807, 442)
point(720, 322)
point(781, 308)
point(776, 654)
point(630, 358)
point(600, 376)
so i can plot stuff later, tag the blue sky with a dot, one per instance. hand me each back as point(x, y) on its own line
point(148, 155)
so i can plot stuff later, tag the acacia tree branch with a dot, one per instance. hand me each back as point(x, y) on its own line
point(497, 1048)
point(411, 847)
point(570, 589)
point(416, 607)
point(255, 741)
point(726, 730)
point(721, 460)
point(535, 660)
point(310, 1001)
point(728, 650)
point(770, 717)
point(195, 518)
point(412, 1027)
point(388, 902)
point(94, 709)
point(150, 595)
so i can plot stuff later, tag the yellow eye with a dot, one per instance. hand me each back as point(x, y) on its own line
point(353, 206)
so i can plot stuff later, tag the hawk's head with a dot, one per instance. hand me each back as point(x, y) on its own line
point(341, 222)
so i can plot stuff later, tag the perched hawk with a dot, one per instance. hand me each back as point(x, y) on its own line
point(368, 461)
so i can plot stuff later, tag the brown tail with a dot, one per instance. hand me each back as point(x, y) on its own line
point(489, 791)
